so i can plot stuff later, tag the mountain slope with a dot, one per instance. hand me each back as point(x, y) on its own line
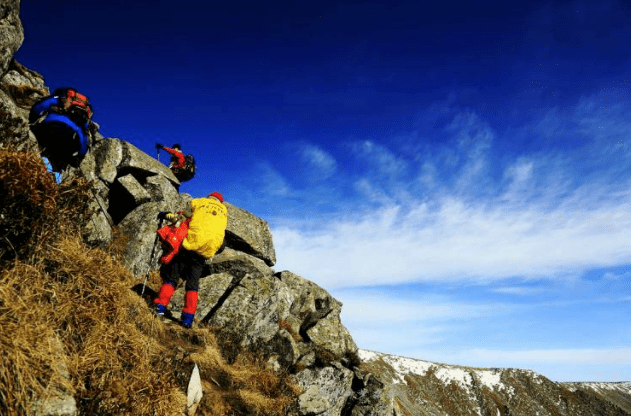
point(416, 387)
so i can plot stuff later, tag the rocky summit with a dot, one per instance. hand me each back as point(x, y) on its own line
point(291, 322)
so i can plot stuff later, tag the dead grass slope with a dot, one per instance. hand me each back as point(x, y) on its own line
point(70, 322)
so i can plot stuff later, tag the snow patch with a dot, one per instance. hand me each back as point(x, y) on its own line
point(366, 355)
point(401, 365)
point(461, 377)
point(491, 379)
point(623, 387)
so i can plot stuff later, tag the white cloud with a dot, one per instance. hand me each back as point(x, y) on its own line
point(383, 310)
point(518, 290)
point(454, 237)
point(390, 321)
point(614, 276)
point(385, 161)
point(323, 164)
point(544, 217)
point(621, 356)
point(271, 181)
point(519, 176)
point(458, 239)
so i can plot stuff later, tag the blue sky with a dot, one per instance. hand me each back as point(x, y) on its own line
point(457, 174)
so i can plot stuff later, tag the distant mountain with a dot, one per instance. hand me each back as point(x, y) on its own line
point(416, 387)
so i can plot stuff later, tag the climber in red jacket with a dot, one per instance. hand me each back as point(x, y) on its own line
point(177, 157)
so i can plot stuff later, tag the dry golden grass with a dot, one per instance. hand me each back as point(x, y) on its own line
point(34, 210)
point(70, 321)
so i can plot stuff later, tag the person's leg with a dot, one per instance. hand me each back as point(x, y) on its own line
point(193, 272)
point(169, 275)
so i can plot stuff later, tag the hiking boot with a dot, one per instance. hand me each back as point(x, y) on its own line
point(186, 320)
point(160, 310)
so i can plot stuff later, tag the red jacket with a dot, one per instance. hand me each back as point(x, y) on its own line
point(178, 158)
point(172, 238)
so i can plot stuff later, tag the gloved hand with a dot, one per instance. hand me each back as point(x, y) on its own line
point(159, 146)
point(163, 215)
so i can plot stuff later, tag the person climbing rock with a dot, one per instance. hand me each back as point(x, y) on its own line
point(198, 237)
point(177, 157)
point(62, 124)
point(183, 167)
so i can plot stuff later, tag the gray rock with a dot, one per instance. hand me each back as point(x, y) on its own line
point(311, 402)
point(253, 302)
point(11, 33)
point(370, 397)
point(135, 189)
point(57, 401)
point(250, 234)
point(98, 230)
point(223, 273)
point(325, 390)
point(15, 132)
point(161, 189)
point(20, 88)
point(315, 315)
point(24, 85)
point(135, 159)
point(88, 167)
point(108, 154)
point(238, 264)
point(140, 226)
point(56, 405)
point(211, 289)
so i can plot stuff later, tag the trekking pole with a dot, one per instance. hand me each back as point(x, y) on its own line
point(153, 250)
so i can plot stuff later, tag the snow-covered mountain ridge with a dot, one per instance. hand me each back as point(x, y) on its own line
point(417, 387)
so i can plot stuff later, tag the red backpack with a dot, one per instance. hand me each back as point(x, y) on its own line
point(171, 238)
point(74, 103)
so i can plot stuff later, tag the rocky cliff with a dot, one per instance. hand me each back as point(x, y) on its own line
point(290, 323)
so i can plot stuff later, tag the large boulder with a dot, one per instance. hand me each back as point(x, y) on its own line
point(11, 32)
point(293, 322)
point(24, 85)
point(20, 88)
point(325, 390)
point(315, 315)
point(136, 161)
point(139, 194)
point(142, 252)
point(14, 129)
point(108, 154)
point(126, 180)
point(250, 234)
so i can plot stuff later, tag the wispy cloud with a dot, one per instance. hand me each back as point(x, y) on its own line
point(389, 310)
point(541, 218)
point(383, 159)
point(603, 356)
point(322, 163)
point(270, 181)
point(461, 240)
point(379, 318)
point(518, 290)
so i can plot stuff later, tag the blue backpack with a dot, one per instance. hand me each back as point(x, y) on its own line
point(61, 125)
